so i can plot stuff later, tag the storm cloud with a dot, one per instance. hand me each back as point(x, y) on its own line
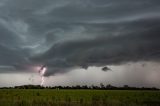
point(64, 35)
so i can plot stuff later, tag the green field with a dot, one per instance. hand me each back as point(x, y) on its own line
point(49, 97)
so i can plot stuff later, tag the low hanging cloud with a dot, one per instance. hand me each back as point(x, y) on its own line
point(64, 35)
point(106, 69)
point(138, 41)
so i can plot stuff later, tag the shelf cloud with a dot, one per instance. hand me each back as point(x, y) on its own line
point(64, 35)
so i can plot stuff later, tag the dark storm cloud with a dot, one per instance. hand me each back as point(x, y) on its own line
point(77, 34)
point(137, 41)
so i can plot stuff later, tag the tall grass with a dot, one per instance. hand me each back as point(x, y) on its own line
point(48, 97)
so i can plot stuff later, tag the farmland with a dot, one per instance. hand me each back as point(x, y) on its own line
point(51, 97)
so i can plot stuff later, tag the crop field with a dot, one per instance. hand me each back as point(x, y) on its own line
point(52, 97)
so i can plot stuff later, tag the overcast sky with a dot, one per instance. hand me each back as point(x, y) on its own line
point(76, 39)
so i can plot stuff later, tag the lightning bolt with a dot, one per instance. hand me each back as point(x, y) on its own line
point(42, 80)
point(42, 71)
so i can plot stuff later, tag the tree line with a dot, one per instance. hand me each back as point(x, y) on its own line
point(100, 87)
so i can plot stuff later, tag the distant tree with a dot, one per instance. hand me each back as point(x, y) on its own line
point(78, 87)
point(126, 86)
point(84, 87)
point(102, 86)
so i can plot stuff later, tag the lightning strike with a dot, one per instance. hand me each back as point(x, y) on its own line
point(42, 71)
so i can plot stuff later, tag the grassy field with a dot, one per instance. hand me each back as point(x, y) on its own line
point(49, 97)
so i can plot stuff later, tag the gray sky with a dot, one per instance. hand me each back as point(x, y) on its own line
point(78, 38)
